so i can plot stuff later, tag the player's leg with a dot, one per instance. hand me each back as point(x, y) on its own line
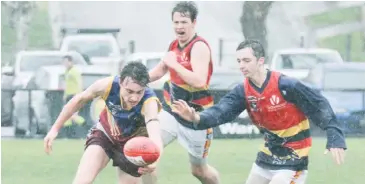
point(93, 160)
point(258, 175)
point(126, 170)
point(289, 177)
point(168, 126)
point(125, 178)
point(205, 173)
point(198, 144)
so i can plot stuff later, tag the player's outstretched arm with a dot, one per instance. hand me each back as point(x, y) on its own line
point(317, 108)
point(158, 71)
point(228, 108)
point(199, 58)
point(96, 89)
point(151, 109)
point(78, 101)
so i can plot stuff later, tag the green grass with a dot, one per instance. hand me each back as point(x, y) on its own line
point(23, 161)
point(337, 16)
point(339, 42)
point(39, 32)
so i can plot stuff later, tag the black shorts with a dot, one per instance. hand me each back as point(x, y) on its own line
point(114, 151)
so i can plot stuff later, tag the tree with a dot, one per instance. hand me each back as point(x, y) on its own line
point(20, 14)
point(253, 20)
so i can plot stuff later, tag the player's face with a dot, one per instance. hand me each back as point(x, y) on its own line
point(249, 64)
point(183, 26)
point(131, 92)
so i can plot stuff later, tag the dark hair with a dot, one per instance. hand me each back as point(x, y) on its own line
point(187, 8)
point(68, 57)
point(137, 71)
point(255, 45)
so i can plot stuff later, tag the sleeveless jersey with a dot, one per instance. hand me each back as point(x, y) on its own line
point(121, 124)
point(286, 128)
point(177, 88)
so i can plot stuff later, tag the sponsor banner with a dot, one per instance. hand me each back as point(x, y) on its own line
point(234, 130)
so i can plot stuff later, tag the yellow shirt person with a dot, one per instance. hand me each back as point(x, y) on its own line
point(73, 85)
point(73, 82)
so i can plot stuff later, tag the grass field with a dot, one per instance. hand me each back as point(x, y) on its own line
point(23, 161)
point(339, 42)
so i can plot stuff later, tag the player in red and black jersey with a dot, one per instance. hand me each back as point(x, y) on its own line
point(190, 66)
point(281, 108)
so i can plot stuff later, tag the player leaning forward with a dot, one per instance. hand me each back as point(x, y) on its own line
point(281, 107)
point(131, 110)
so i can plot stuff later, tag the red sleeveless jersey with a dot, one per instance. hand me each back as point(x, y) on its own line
point(178, 87)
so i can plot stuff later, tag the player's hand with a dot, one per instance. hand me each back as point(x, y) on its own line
point(181, 108)
point(147, 169)
point(48, 140)
point(170, 59)
point(338, 155)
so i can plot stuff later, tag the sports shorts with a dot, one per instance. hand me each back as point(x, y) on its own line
point(196, 142)
point(289, 176)
point(113, 150)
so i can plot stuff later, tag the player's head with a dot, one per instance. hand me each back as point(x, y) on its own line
point(184, 18)
point(68, 61)
point(134, 78)
point(250, 56)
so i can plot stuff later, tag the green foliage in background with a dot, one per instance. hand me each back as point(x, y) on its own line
point(40, 33)
point(340, 42)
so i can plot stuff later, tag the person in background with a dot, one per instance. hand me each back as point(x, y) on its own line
point(73, 86)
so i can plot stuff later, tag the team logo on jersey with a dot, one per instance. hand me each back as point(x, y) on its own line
point(114, 109)
point(274, 100)
point(276, 103)
point(252, 101)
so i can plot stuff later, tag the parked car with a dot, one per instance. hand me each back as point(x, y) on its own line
point(25, 66)
point(46, 97)
point(344, 87)
point(27, 62)
point(99, 48)
point(297, 62)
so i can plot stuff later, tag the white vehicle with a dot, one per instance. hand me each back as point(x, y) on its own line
point(25, 68)
point(297, 62)
point(100, 49)
point(150, 60)
point(48, 85)
point(27, 62)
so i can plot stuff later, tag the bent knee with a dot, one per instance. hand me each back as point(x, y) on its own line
point(200, 171)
